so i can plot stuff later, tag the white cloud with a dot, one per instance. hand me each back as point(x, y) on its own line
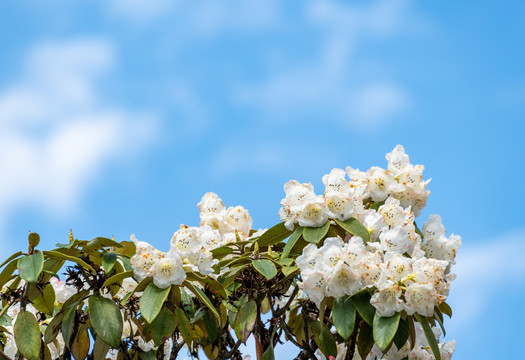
point(140, 10)
point(57, 132)
point(483, 271)
point(336, 81)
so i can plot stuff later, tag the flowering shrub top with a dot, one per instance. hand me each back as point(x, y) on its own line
point(346, 275)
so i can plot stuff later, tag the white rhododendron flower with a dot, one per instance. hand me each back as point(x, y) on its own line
point(62, 290)
point(239, 219)
point(343, 281)
point(168, 271)
point(420, 298)
point(387, 300)
point(144, 259)
point(397, 159)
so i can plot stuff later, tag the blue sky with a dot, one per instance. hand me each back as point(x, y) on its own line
point(117, 116)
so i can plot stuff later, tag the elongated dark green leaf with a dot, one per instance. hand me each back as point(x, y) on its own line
point(53, 328)
point(106, 319)
point(67, 324)
point(27, 335)
point(265, 267)
point(5, 275)
point(274, 235)
point(268, 353)
point(211, 327)
point(108, 261)
point(45, 302)
point(385, 329)
point(324, 339)
point(314, 235)
point(202, 296)
point(184, 326)
point(364, 308)
point(445, 309)
point(152, 300)
point(80, 346)
point(31, 266)
point(100, 349)
point(59, 255)
point(365, 340)
point(354, 227)
point(245, 320)
point(344, 315)
point(403, 331)
point(118, 277)
point(291, 242)
point(439, 320)
point(14, 256)
point(163, 326)
point(429, 335)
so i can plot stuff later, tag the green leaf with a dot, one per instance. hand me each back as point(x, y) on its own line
point(149, 355)
point(106, 319)
point(274, 235)
point(53, 328)
point(31, 266)
point(265, 267)
point(403, 331)
point(202, 296)
point(344, 315)
point(291, 242)
point(27, 335)
point(445, 309)
point(100, 242)
point(33, 239)
point(384, 329)
point(163, 326)
point(245, 320)
point(354, 227)
point(429, 335)
point(364, 308)
point(68, 323)
point(324, 339)
point(14, 256)
point(80, 346)
point(287, 270)
point(211, 327)
point(100, 349)
point(268, 353)
point(45, 302)
point(377, 204)
point(365, 340)
point(221, 252)
point(60, 255)
point(127, 249)
point(108, 261)
point(152, 300)
point(5, 275)
point(184, 326)
point(117, 278)
point(314, 235)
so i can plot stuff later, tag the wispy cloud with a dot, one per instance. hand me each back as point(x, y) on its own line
point(57, 132)
point(483, 271)
point(336, 81)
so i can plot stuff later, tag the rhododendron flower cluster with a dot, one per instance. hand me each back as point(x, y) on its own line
point(192, 245)
point(346, 275)
point(408, 270)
